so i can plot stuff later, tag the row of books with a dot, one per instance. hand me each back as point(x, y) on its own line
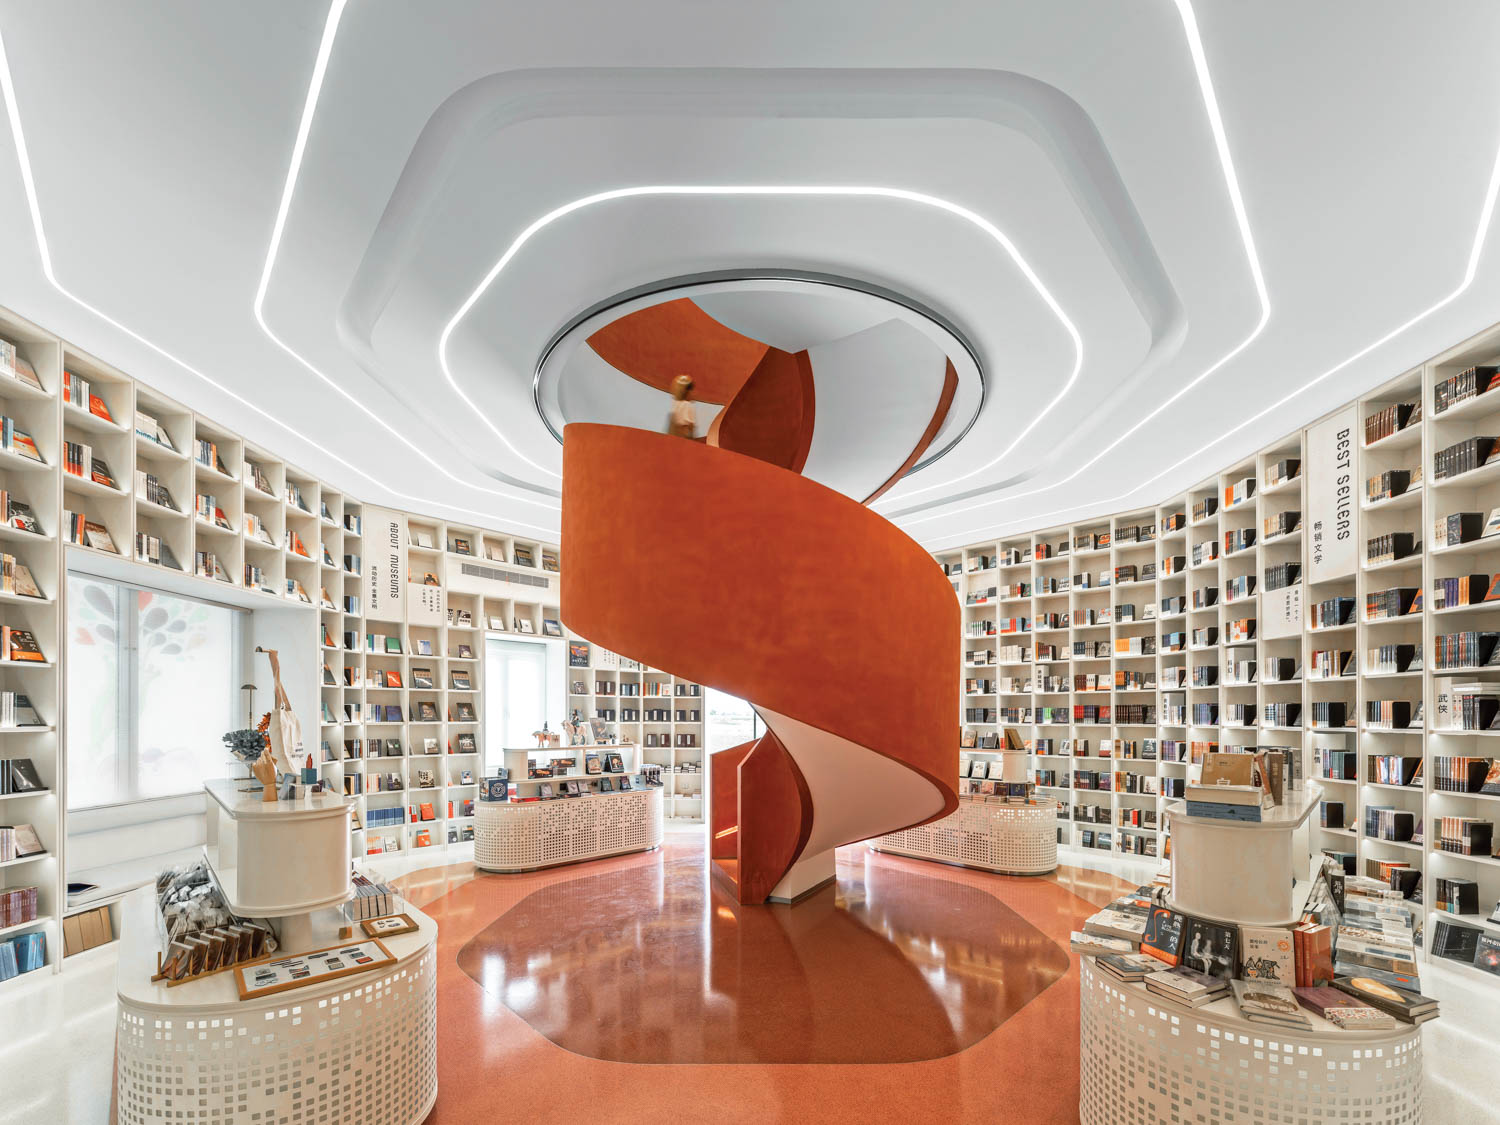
point(1465, 589)
point(1463, 457)
point(1468, 383)
point(79, 460)
point(1392, 483)
point(78, 528)
point(1470, 648)
point(78, 392)
point(1390, 419)
point(1398, 601)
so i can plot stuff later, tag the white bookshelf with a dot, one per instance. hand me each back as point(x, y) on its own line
point(128, 510)
point(1413, 512)
point(642, 706)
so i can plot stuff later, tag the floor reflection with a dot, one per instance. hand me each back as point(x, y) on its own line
point(656, 964)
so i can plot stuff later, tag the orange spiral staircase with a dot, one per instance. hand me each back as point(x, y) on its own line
point(716, 560)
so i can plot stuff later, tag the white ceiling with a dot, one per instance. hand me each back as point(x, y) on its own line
point(1049, 176)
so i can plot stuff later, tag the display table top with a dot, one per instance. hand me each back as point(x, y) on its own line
point(241, 799)
point(1282, 818)
point(1225, 1013)
point(140, 943)
point(634, 791)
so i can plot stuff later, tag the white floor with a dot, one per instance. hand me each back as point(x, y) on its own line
point(57, 1036)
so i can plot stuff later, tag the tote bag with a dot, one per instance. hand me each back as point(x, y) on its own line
point(286, 731)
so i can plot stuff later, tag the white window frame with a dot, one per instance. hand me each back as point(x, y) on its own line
point(127, 726)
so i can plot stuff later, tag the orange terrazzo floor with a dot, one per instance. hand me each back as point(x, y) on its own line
point(983, 993)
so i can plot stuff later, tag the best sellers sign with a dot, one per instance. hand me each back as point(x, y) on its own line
point(1332, 548)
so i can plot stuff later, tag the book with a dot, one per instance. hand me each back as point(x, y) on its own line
point(1115, 922)
point(1186, 986)
point(1267, 954)
point(1487, 954)
point(1162, 938)
point(1210, 948)
point(1095, 944)
point(24, 777)
point(20, 515)
point(27, 842)
point(1408, 1007)
point(21, 645)
point(1266, 1002)
point(96, 535)
point(1127, 966)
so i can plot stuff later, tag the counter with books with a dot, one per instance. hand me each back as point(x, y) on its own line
point(1189, 1017)
point(1144, 1057)
point(524, 835)
point(342, 1028)
point(990, 833)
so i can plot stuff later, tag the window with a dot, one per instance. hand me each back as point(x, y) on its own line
point(728, 721)
point(523, 685)
point(153, 684)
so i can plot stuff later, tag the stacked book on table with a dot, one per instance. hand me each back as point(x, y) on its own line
point(1233, 787)
point(1349, 958)
point(1187, 986)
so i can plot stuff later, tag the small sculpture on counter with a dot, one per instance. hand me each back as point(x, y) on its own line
point(253, 748)
point(264, 769)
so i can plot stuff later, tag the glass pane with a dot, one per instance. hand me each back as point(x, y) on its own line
point(728, 721)
point(516, 690)
point(94, 735)
point(525, 706)
point(186, 692)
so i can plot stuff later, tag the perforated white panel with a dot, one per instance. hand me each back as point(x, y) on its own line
point(985, 833)
point(1144, 1062)
point(511, 836)
point(364, 1053)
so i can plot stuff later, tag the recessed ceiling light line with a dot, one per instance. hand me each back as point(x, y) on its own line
point(273, 249)
point(1471, 269)
point(28, 180)
point(1247, 239)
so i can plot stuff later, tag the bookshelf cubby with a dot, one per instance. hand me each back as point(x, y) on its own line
point(660, 713)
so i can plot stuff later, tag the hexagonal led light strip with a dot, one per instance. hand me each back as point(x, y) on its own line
point(7, 87)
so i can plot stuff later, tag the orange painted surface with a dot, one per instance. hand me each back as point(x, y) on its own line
point(771, 418)
point(724, 800)
point(775, 813)
point(744, 602)
point(659, 343)
point(684, 1005)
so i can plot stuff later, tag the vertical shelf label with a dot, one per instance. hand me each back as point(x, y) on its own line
point(385, 564)
point(1281, 612)
point(1332, 549)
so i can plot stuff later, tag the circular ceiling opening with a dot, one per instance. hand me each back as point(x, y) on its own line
point(894, 386)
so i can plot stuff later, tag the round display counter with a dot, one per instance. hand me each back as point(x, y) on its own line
point(512, 836)
point(1146, 1059)
point(986, 832)
point(361, 1047)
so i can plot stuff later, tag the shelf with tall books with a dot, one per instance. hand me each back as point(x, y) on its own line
point(1379, 680)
